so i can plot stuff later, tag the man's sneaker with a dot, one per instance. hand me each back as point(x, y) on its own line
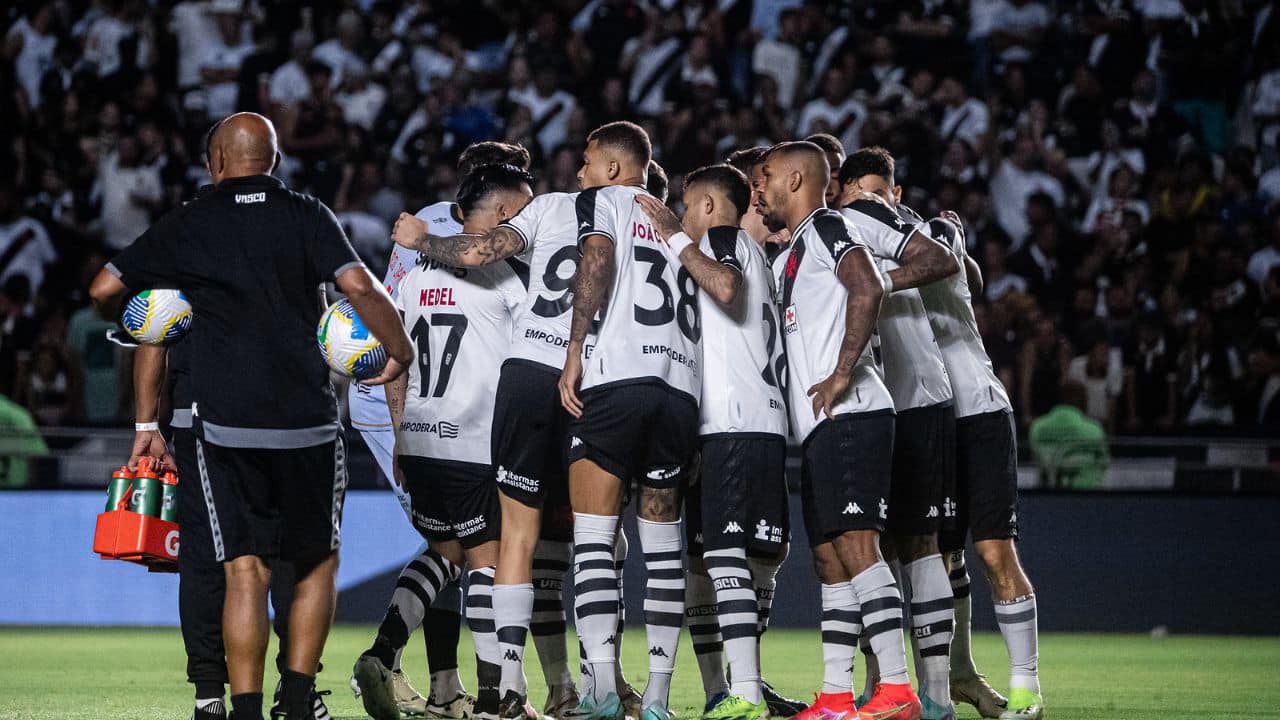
point(891, 701)
point(515, 707)
point(318, 710)
point(713, 701)
point(976, 691)
point(610, 708)
point(1023, 705)
point(930, 710)
point(780, 705)
point(829, 706)
point(216, 710)
point(377, 688)
point(408, 700)
point(736, 707)
point(461, 707)
point(656, 711)
point(630, 699)
point(560, 700)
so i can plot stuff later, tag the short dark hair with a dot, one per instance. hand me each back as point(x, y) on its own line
point(747, 159)
point(867, 161)
point(492, 152)
point(659, 183)
point(488, 179)
point(317, 67)
point(627, 137)
point(728, 179)
point(828, 142)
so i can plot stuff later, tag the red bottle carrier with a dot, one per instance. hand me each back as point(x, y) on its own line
point(122, 534)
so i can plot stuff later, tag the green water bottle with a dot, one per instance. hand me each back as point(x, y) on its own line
point(118, 488)
point(148, 491)
point(169, 497)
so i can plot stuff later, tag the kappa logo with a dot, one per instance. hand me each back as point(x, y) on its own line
point(732, 527)
point(511, 656)
point(657, 652)
point(933, 511)
point(609, 641)
point(584, 223)
point(898, 221)
point(574, 442)
point(852, 509)
point(884, 509)
point(840, 245)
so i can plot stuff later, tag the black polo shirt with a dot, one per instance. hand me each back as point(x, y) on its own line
point(250, 254)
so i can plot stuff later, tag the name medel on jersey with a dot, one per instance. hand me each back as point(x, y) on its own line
point(743, 367)
point(813, 322)
point(950, 308)
point(650, 329)
point(368, 404)
point(549, 227)
point(460, 323)
point(913, 368)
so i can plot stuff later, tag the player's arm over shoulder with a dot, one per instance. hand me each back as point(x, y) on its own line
point(719, 275)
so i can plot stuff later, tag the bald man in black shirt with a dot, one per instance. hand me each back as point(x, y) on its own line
point(249, 255)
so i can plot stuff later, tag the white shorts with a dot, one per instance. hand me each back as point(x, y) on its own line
point(382, 444)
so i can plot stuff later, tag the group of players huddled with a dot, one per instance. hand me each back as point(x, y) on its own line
point(574, 351)
point(568, 353)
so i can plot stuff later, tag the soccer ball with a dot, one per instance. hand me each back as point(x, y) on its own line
point(157, 317)
point(347, 345)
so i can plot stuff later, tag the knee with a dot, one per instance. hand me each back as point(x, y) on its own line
point(247, 571)
point(1001, 567)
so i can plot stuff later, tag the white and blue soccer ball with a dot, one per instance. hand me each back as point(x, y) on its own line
point(157, 317)
point(347, 345)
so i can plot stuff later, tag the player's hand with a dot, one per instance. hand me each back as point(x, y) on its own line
point(570, 379)
point(150, 443)
point(392, 370)
point(407, 230)
point(954, 218)
point(663, 220)
point(781, 238)
point(397, 475)
point(827, 393)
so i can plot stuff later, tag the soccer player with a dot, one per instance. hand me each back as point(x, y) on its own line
point(460, 321)
point(273, 474)
point(422, 576)
point(987, 495)
point(843, 415)
point(633, 395)
point(834, 151)
point(924, 432)
point(743, 414)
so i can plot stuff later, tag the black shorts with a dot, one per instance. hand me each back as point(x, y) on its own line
point(641, 430)
point(530, 433)
point(274, 503)
point(196, 538)
point(923, 480)
point(986, 480)
point(740, 500)
point(845, 468)
point(452, 500)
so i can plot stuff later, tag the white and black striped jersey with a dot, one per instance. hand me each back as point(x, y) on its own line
point(549, 227)
point(950, 307)
point(813, 322)
point(914, 370)
point(367, 404)
point(649, 328)
point(460, 323)
point(742, 361)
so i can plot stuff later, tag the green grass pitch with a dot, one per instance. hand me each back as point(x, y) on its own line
point(131, 673)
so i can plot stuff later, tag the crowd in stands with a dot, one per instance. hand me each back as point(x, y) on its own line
point(1114, 162)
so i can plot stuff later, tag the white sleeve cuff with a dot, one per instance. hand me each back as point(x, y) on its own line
point(679, 242)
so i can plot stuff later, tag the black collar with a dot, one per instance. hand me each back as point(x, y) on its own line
point(264, 181)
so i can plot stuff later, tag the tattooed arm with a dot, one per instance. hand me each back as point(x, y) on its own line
point(860, 278)
point(590, 289)
point(716, 278)
point(923, 261)
point(461, 250)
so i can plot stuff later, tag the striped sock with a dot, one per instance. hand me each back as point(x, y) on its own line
point(739, 618)
point(663, 604)
point(704, 631)
point(932, 623)
point(595, 578)
point(550, 563)
point(841, 626)
point(764, 573)
point(620, 549)
point(416, 589)
point(512, 611)
point(881, 604)
point(1017, 620)
point(484, 633)
point(962, 665)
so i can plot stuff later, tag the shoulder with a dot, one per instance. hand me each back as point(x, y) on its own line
point(869, 211)
point(945, 232)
